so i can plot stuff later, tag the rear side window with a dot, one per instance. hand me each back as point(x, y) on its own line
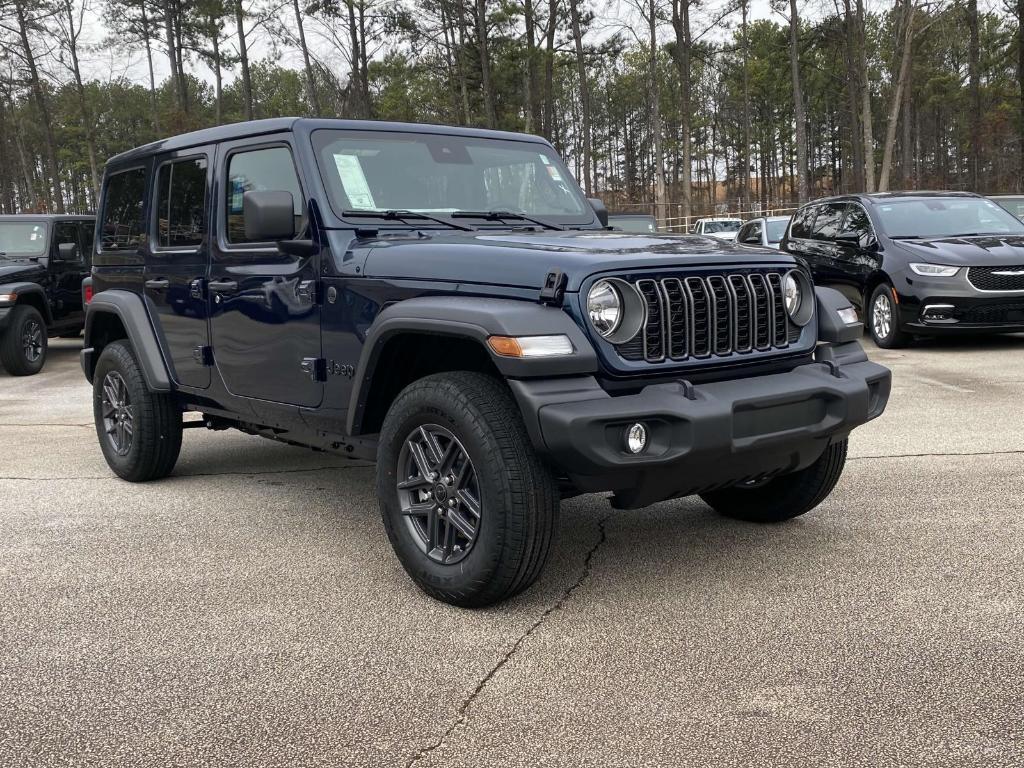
point(181, 203)
point(88, 236)
point(829, 221)
point(802, 222)
point(123, 226)
point(260, 169)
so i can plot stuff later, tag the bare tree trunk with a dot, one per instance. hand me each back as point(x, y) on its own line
point(172, 54)
point(1020, 84)
point(314, 100)
point(659, 154)
point(549, 71)
point(897, 95)
point(802, 171)
point(853, 97)
point(581, 68)
point(745, 162)
point(681, 24)
point(865, 93)
point(490, 116)
point(532, 87)
point(88, 123)
point(974, 67)
point(907, 162)
point(218, 78)
point(54, 197)
point(355, 79)
point(243, 56)
point(154, 112)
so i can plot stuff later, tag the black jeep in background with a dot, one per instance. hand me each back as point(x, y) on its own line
point(43, 259)
point(447, 302)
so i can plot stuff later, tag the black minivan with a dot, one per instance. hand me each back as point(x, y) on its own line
point(916, 263)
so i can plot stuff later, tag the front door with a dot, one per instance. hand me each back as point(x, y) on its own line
point(264, 317)
point(66, 274)
point(176, 263)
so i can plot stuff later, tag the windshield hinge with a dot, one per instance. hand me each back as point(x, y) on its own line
point(553, 291)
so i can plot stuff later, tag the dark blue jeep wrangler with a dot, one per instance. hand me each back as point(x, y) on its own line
point(446, 302)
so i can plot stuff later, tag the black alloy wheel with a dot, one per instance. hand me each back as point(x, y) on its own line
point(118, 421)
point(438, 493)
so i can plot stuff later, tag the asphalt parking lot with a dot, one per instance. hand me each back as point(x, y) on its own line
point(248, 610)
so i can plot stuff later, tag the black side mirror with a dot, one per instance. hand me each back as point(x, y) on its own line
point(850, 239)
point(599, 209)
point(67, 252)
point(269, 215)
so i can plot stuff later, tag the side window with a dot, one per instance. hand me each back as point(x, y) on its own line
point(88, 237)
point(260, 169)
point(123, 227)
point(67, 232)
point(828, 222)
point(181, 204)
point(858, 223)
point(801, 227)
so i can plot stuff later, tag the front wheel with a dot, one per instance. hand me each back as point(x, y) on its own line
point(883, 319)
point(468, 506)
point(139, 431)
point(23, 346)
point(785, 497)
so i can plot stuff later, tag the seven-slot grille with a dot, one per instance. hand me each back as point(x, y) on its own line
point(997, 278)
point(690, 317)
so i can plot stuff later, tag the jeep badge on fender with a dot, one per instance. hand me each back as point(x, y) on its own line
point(506, 348)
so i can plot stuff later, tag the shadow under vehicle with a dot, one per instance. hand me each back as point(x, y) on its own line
point(446, 302)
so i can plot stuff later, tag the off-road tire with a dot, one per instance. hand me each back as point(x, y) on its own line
point(13, 355)
point(785, 497)
point(895, 338)
point(156, 434)
point(518, 496)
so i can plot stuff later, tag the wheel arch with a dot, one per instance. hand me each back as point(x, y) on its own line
point(422, 336)
point(114, 315)
point(30, 294)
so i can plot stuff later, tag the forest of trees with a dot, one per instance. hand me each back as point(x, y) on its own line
point(678, 107)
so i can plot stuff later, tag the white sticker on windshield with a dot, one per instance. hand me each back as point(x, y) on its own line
point(544, 159)
point(553, 173)
point(354, 182)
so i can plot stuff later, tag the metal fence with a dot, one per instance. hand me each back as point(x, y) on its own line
point(680, 223)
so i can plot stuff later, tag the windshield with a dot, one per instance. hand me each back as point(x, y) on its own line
point(22, 238)
point(946, 217)
point(776, 229)
point(440, 175)
point(1014, 205)
point(721, 226)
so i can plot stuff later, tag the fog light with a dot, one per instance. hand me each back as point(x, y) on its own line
point(636, 438)
point(938, 312)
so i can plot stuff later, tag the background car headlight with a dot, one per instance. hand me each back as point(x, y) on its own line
point(934, 270)
point(798, 297)
point(604, 306)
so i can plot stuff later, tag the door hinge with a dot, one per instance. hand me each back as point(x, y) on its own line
point(553, 291)
point(203, 355)
point(315, 368)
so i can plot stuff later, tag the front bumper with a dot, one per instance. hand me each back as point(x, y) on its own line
point(964, 308)
point(700, 438)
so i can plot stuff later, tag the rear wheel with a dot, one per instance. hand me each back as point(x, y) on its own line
point(139, 431)
point(467, 505)
point(883, 319)
point(24, 344)
point(785, 497)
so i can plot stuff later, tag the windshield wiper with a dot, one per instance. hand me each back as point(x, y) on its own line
point(499, 215)
point(393, 214)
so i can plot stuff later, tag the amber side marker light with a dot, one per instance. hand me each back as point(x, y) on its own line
point(530, 346)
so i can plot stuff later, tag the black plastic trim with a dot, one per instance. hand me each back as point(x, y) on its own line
point(22, 288)
point(132, 312)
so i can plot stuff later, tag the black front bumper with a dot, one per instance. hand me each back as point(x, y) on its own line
point(965, 308)
point(702, 437)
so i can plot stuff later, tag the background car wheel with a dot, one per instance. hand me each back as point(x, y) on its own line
point(139, 431)
point(785, 497)
point(883, 319)
point(468, 506)
point(24, 344)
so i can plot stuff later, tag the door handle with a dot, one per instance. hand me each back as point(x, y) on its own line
point(222, 286)
point(157, 285)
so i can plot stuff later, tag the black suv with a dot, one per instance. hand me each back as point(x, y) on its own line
point(918, 263)
point(43, 260)
point(447, 302)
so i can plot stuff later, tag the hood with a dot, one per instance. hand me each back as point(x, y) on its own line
point(17, 271)
point(728, 236)
point(523, 259)
point(988, 250)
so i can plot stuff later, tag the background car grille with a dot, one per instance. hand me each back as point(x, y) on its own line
point(986, 279)
point(691, 317)
point(995, 314)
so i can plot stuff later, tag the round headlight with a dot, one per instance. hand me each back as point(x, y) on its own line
point(604, 306)
point(798, 297)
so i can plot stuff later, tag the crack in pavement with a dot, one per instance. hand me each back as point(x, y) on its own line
point(557, 605)
point(47, 424)
point(250, 473)
point(1010, 452)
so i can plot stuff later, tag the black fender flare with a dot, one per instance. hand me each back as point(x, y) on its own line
point(476, 319)
point(131, 311)
point(24, 288)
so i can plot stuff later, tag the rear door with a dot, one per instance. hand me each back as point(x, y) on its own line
point(264, 316)
point(177, 262)
point(66, 274)
point(822, 248)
